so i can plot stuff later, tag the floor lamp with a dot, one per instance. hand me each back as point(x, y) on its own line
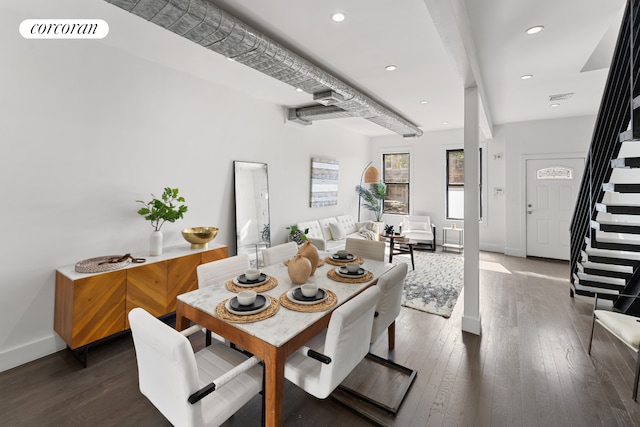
point(370, 175)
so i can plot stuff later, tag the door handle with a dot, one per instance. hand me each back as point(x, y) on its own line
point(529, 212)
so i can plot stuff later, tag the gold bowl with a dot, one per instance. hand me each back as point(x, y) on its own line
point(199, 237)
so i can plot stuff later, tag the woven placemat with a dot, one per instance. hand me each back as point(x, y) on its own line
point(331, 300)
point(268, 285)
point(332, 261)
point(320, 262)
point(224, 314)
point(331, 274)
point(100, 264)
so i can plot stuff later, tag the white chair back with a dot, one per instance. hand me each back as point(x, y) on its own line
point(370, 249)
point(416, 222)
point(221, 270)
point(391, 284)
point(167, 368)
point(345, 342)
point(279, 253)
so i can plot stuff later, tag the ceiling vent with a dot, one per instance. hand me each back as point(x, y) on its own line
point(207, 25)
point(560, 97)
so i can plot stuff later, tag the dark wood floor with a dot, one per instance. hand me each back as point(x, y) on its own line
point(529, 368)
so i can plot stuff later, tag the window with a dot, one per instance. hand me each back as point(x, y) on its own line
point(396, 178)
point(455, 184)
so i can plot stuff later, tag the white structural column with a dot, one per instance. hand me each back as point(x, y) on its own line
point(471, 316)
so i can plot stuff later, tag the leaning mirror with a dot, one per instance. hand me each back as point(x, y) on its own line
point(251, 184)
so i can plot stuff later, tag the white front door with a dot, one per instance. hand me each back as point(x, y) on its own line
point(552, 188)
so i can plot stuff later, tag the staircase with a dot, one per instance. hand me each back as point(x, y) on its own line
point(605, 229)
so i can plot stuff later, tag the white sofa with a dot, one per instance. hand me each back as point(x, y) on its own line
point(330, 234)
point(420, 229)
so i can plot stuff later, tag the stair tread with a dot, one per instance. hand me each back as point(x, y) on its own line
point(618, 208)
point(625, 223)
point(625, 162)
point(602, 279)
point(592, 289)
point(612, 237)
point(621, 187)
point(607, 267)
point(609, 253)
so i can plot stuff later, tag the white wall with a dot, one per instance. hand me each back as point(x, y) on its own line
point(503, 228)
point(88, 128)
point(428, 176)
point(529, 140)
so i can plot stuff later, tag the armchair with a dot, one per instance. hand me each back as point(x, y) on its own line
point(177, 381)
point(420, 229)
point(624, 327)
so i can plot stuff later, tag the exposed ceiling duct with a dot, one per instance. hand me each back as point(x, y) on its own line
point(211, 27)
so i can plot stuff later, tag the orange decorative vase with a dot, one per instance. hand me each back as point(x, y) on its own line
point(299, 269)
point(310, 252)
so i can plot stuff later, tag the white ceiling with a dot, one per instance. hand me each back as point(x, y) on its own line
point(579, 35)
point(377, 33)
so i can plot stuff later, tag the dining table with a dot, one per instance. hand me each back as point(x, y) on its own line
point(273, 339)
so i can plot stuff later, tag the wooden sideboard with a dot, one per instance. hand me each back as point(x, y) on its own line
point(93, 306)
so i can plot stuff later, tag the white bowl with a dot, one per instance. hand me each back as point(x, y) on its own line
point(252, 274)
point(342, 254)
point(246, 297)
point(353, 267)
point(309, 290)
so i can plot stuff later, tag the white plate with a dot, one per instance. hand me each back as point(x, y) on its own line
point(352, 276)
point(250, 285)
point(246, 313)
point(292, 299)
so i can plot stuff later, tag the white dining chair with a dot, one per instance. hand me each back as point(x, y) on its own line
point(221, 270)
point(370, 249)
point(391, 284)
point(320, 366)
point(217, 272)
point(179, 383)
point(279, 253)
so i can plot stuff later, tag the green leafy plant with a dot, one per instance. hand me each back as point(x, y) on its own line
point(297, 235)
point(373, 198)
point(159, 211)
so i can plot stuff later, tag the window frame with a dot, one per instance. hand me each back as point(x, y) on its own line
point(480, 184)
point(407, 183)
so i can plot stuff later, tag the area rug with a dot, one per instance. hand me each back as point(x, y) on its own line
point(435, 284)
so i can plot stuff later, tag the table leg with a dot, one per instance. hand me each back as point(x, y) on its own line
point(391, 250)
point(413, 265)
point(182, 322)
point(273, 387)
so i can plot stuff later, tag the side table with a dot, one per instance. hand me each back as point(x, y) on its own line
point(400, 250)
point(452, 238)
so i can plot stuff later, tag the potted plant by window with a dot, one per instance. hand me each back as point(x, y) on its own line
point(159, 211)
point(373, 198)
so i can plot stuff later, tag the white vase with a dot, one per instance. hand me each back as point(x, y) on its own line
point(155, 243)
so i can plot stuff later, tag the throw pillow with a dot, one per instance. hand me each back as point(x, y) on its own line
point(337, 231)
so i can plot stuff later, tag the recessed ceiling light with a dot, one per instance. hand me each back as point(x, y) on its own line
point(338, 17)
point(526, 77)
point(298, 89)
point(535, 30)
point(554, 105)
point(424, 101)
point(445, 123)
point(390, 67)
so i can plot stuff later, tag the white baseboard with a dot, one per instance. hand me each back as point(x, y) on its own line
point(34, 350)
point(515, 252)
point(492, 248)
point(472, 325)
